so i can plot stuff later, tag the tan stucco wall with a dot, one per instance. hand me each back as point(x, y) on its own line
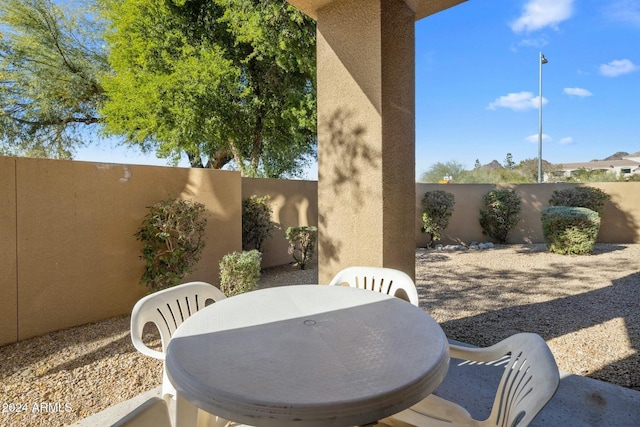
point(620, 220)
point(77, 258)
point(366, 149)
point(294, 204)
point(621, 217)
point(8, 264)
point(69, 256)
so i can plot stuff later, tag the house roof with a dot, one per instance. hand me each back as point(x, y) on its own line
point(601, 164)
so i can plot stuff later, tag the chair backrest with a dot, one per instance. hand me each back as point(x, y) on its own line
point(379, 279)
point(529, 381)
point(167, 309)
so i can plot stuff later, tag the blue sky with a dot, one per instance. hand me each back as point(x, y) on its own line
point(477, 73)
point(477, 78)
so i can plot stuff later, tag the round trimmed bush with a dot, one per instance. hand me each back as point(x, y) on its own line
point(569, 230)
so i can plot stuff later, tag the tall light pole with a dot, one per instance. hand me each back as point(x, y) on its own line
point(543, 60)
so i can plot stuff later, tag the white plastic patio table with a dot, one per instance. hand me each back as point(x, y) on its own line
point(307, 355)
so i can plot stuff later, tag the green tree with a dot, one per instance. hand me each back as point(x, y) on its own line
point(440, 170)
point(224, 81)
point(50, 58)
point(592, 175)
point(529, 168)
point(508, 162)
point(477, 164)
point(490, 176)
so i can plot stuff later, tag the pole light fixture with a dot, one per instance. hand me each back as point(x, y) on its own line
point(543, 60)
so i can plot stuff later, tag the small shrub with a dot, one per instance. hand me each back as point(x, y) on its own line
point(240, 272)
point(302, 243)
point(173, 239)
point(256, 222)
point(438, 208)
point(500, 213)
point(580, 197)
point(569, 230)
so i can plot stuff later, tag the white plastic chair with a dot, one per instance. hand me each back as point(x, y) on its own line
point(167, 309)
point(379, 279)
point(151, 413)
point(529, 381)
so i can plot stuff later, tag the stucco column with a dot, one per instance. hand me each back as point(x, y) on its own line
point(366, 135)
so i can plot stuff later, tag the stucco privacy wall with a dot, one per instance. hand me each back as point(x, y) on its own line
point(620, 220)
point(77, 259)
point(8, 264)
point(294, 204)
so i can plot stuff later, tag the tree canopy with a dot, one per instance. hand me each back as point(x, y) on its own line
point(529, 168)
point(524, 172)
point(440, 170)
point(50, 60)
point(224, 81)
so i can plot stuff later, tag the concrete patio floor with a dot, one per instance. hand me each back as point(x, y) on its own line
point(579, 401)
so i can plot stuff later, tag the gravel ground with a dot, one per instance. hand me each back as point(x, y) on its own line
point(587, 308)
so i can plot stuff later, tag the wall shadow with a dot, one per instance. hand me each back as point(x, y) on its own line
point(618, 226)
point(350, 156)
point(343, 161)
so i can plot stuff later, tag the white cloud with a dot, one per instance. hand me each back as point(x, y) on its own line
point(520, 101)
point(618, 67)
point(624, 11)
point(538, 43)
point(577, 91)
point(566, 141)
point(534, 138)
point(539, 14)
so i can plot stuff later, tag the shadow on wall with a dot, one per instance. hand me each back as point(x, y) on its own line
point(617, 226)
point(529, 230)
point(293, 204)
point(349, 155)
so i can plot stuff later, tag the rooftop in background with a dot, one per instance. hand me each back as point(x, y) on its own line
point(619, 164)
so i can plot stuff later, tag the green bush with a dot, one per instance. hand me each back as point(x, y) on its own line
point(500, 213)
point(438, 208)
point(240, 272)
point(256, 222)
point(580, 197)
point(569, 230)
point(302, 243)
point(172, 234)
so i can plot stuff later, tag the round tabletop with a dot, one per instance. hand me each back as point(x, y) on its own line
point(307, 355)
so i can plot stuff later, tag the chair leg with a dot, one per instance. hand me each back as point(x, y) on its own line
point(186, 414)
point(206, 419)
